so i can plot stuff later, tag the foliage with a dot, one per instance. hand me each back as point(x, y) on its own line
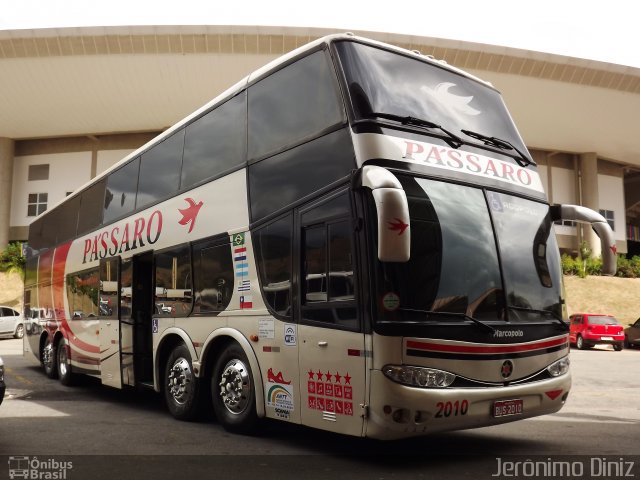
point(11, 259)
point(627, 267)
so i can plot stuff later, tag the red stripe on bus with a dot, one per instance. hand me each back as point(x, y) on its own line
point(59, 264)
point(439, 347)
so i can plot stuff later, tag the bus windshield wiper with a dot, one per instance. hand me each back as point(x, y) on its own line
point(451, 139)
point(452, 314)
point(546, 313)
point(521, 158)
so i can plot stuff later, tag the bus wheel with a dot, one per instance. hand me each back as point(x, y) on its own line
point(64, 363)
point(180, 384)
point(48, 359)
point(233, 391)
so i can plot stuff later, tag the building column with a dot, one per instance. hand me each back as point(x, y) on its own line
point(6, 181)
point(590, 198)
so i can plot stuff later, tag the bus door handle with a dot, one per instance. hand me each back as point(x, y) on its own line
point(323, 343)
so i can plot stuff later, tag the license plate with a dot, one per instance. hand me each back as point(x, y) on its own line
point(504, 408)
point(606, 339)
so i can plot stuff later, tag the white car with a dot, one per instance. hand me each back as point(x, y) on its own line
point(11, 323)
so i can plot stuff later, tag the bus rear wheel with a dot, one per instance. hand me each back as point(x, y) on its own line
point(48, 359)
point(64, 363)
point(233, 391)
point(181, 384)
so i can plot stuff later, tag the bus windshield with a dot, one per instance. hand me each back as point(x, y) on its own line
point(474, 253)
point(385, 85)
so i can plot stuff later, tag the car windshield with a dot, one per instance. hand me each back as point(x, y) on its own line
point(480, 253)
point(385, 84)
point(602, 320)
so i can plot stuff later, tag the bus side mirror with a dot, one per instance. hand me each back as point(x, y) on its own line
point(581, 214)
point(394, 232)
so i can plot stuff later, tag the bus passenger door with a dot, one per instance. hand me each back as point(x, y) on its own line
point(332, 351)
point(108, 312)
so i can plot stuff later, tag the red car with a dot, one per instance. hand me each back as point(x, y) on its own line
point(589, 329)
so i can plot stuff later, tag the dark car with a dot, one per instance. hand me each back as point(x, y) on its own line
point(632, 335)
point(590, 329)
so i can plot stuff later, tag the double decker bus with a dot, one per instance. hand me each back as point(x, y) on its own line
point(353, 238)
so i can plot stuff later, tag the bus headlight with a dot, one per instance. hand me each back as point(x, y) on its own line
point(560, 367)
point(418, 376)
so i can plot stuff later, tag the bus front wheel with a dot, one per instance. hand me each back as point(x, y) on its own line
point(233, 391)
point(181, 384)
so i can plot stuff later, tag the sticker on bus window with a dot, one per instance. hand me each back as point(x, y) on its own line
point(390, 301)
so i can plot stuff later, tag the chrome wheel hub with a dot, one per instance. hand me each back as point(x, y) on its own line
point(180, 380)
point(235, 386)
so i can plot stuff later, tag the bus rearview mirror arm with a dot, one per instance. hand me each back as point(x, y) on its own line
point(392, 208)
point(582, 214)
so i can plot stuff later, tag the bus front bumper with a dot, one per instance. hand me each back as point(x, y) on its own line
point(398, 411)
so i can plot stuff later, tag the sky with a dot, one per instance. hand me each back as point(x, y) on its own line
point(606, 31)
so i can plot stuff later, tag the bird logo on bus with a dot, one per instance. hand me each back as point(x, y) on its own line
point(398, 225)
point(190, 213)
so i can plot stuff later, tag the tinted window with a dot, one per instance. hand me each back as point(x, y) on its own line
point(91, 203)
point(381, 81)
point(109, 295)
point(173, 282)
point(31, 271)
point(160, 170)
point(273, 254)
point(120, 196)
point(328, 292)
point(288, 177)
point(82, 294)
point(295, 103)
point(215, 143)
point(36, 241)
point(68, 219)
point(50, 228)
point(213, 276)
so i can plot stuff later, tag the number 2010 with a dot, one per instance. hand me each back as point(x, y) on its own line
point(446, 409)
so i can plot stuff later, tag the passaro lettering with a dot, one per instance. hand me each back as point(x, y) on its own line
point(136, 233)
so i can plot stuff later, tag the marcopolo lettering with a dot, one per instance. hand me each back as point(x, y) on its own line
point(508, 333)
point(136, 233)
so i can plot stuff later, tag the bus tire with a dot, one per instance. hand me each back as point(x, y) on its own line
point(48, 358)
point(233, 391)
point(180, 384)
point(65, 373)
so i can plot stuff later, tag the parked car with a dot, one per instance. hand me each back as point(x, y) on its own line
point(632, 335)
point(589, 329)
point(3, 387)
point(11, 323)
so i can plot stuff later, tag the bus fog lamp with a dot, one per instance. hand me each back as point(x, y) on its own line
point(419, 376)
point(559, 368)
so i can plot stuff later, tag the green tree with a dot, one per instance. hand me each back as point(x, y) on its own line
point(11, 259)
